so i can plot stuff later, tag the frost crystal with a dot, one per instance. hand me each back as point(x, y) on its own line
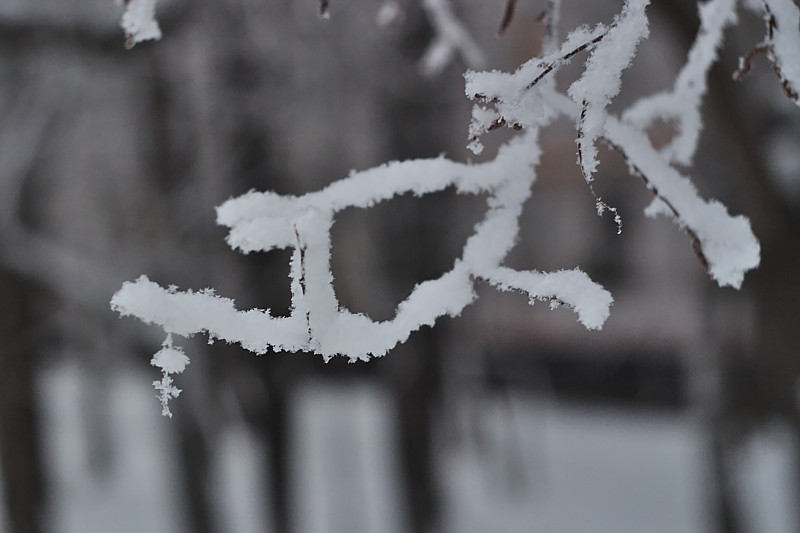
point(171, 360)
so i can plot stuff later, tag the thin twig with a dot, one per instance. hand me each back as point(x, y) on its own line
point(549, 68)
point(767, 49)
point(746, 61)
point(600, 203)
point(301, 247)
point(697, 245)
point(508, 15)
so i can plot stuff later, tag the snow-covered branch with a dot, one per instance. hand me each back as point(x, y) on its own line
point(725, 245)
point(526, 100)
point(265, 221)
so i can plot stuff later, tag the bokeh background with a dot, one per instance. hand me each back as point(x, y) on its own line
point(680, 415)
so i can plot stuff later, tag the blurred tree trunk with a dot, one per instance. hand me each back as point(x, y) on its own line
point(759, 383)
point(194, 461)
point(416, 404)
point(19, 437)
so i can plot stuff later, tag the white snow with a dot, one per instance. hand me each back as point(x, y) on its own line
point(170, 359)
point(727, 242)
point(239, 474)
point(138, 490)
point(139, 22)
point(511, 95)
point(548, 467)
point(345, 467)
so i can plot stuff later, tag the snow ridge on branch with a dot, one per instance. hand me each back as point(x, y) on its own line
point(266, 221)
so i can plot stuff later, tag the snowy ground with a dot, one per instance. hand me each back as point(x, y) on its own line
point(577, 470)
point(518, 465)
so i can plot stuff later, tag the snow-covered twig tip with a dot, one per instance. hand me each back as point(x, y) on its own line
point(139, 22)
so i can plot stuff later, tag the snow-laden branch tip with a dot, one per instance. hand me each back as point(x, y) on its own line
point(139, 22)
point(724, 244)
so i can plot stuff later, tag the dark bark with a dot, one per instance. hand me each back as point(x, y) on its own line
point(194, 461)
point(279, 458)
point(19, 423)
point(415, 405)
point(759, 382)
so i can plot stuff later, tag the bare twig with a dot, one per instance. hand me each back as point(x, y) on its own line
point(508, 15)
point(551, 66)
point(301, 248)
point(767, 49)
point(697, 246)
point(599, 202)
point(746, 61)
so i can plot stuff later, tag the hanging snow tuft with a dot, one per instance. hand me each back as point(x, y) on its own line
point(139, 22)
